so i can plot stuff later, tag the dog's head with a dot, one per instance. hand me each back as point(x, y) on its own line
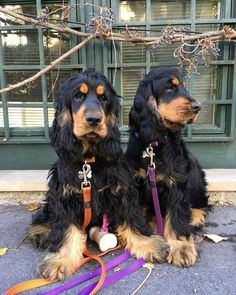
point(86, 111)
point(162, 93)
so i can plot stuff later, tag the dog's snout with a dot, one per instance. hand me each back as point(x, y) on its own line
point(93, 119)
point(196, 107)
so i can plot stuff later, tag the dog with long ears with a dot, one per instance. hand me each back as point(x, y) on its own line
point(86, 126)
point(162, 107)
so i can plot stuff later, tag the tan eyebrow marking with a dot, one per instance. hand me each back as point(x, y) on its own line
point(175, 81)
point(83, 88)
point(100, 90)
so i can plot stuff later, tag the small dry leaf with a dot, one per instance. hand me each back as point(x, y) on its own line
point(3, 251)
point(118, 268)
point(33, 206)
point(215, 238)
point(148, 265)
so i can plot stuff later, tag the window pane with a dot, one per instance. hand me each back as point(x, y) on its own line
point(132, 10)
point(164, 52)
point(166, 9)
point(20, 47)
point(55, 10)
point(204, 84)
point(131, 53)
point(28, 9)
point(25, 117)
point(1, 118)
point(55, 45)
point(28, 93)
point(51, 112)
point(209, 9)
point(54, 80)
point(130, 82)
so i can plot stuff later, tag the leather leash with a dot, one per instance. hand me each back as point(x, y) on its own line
point(104, 281)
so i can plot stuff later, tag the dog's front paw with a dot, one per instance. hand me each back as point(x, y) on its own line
point(55, 269)
point(182, 253)
point(160, 249)
point(151, 249)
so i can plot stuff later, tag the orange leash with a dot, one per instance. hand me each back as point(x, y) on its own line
point(36, 283)
point(87, 206)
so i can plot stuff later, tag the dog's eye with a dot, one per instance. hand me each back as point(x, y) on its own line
point(79, 96)
point(103, 98)
point(170, 87)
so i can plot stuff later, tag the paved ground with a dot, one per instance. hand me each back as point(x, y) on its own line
point(215, 272)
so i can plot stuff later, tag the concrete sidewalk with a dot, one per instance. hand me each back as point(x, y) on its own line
point(215, 272)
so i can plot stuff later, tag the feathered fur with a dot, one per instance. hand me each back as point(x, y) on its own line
point(162, 106)
point(85, 126)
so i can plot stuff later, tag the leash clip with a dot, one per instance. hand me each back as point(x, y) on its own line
point(84, 174)
point(148, 153)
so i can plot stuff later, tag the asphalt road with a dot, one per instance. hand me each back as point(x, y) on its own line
point(214, 273)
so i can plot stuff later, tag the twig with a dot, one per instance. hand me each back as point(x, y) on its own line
point(53, 64)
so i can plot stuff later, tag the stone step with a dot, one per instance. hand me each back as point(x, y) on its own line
point(27, 185)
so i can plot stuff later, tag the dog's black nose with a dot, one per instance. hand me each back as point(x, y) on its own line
point(93, 119)
point(196, 107)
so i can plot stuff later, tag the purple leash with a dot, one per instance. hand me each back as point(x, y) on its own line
point(115, 277)
point(152, 180)
point(110, 265)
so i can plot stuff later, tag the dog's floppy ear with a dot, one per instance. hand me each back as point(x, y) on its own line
point(62, 127)
point(141, 118)
point(138, 113)
point(61, 131)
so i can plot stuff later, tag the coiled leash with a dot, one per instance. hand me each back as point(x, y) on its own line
point(104, 281)
point(151, 173)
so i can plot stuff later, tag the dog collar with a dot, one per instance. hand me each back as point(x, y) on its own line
point(151, 144)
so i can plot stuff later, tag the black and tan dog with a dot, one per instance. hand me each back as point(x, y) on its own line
point(85, 126)
point(162, 107)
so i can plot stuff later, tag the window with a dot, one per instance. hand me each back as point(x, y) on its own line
point(213, 87)
point(26, 113)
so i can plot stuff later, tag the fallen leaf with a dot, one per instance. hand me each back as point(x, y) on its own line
point(33, 206)
point(148, 265)
point(118, 268)
point(3, 251)
point(215, 238)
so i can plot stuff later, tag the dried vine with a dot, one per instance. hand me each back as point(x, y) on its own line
point(192, 50)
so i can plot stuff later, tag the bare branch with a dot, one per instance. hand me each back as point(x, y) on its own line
point(204, 43)
point(48, 68)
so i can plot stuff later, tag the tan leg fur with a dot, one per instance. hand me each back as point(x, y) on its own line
point(149, 248)
point(198, 217)
point(182, 249)
point(61, 264)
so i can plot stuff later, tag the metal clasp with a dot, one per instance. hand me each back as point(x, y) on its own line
point(85, 174)
point(148, 153)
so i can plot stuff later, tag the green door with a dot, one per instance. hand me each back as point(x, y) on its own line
point(26, 113)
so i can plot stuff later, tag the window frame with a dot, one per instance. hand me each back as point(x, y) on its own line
point(12, 135)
